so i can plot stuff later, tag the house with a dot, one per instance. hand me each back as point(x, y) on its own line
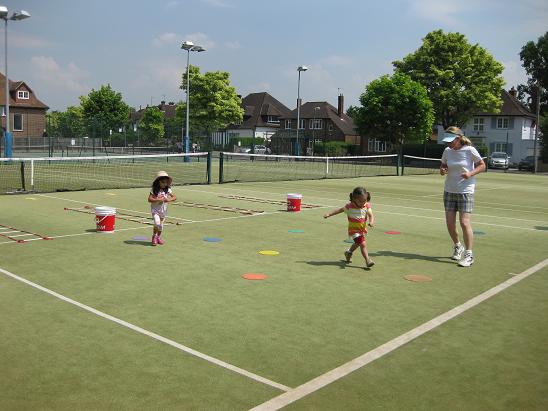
point(512, 130)
point(262, 114)
point(169, 110)
point(319, 122)
point(27, 112)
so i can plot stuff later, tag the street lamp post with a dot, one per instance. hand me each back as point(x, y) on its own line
point(188, 46)
point(16, 16)
point(299, 69)
point(535, 166)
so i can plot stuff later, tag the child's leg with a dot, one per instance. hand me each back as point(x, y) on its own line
point(160, 228)
point(156, 228)
point(368, 261)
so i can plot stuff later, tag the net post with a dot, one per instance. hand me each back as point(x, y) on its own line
point(221, 166)
point(398, 164)
point(209, 154)
point(403, 165)
point(326, 167)
point(23, 175)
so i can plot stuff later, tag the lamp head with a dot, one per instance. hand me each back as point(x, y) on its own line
point(198, 48)
point(3, 12)
point(20, 15)
point(187, 45)
point(302, 68)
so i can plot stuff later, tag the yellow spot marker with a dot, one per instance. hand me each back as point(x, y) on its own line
point(110, 194)
point(269, 252)
point(30, 198)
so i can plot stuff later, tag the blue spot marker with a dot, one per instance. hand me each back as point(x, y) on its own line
point(479, 233)
point(140, 238)
point(295, 231)
point(348, 240)
point(212, 239)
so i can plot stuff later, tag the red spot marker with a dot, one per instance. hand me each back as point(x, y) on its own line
point(392, 232)
point(254, 276)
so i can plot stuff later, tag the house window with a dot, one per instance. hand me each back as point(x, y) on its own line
point(479, 123)
point(330, 127)
point(17, 122)
point(502, 122)
point(23, 95)
point(377, 146)
point(316, 124)
point(272, 119)
point(288, 124)
point(302, 122)
point(500, 147)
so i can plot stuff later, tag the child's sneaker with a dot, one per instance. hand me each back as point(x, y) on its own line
point(457, 252)
point(468, 259)
point(370, 263)
point(160, 241)
point(154, 239)
point(348, 256)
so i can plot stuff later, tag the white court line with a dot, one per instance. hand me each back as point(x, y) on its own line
point(329, 377)
point(150, 334)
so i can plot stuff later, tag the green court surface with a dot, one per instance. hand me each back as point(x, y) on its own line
point(106, 321)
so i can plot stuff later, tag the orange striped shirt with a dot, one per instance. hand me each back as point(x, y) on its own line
point(357, 219)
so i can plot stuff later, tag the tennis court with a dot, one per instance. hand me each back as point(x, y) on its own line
point(106, 321)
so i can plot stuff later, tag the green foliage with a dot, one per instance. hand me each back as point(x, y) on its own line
point(66, 124)
point(534, 58)
point(104, 109)
point(214, 103)
point(461, 79)
point(151, 126)
point(332, 149)
point(395, 109)
point(353, 112)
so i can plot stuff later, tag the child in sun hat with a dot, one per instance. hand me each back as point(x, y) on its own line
point(358, 211)
point(159, 196)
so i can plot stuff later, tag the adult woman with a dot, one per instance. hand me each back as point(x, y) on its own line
point(460, 162)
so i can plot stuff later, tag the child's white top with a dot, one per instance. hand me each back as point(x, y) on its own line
point(159, 207)
point(458, 162)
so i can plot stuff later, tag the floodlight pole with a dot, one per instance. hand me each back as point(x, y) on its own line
point(535, 167)
point(17, 15)
point(299, 69)
point(188, 46)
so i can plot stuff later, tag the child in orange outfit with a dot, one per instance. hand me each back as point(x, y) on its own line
point(359, 214)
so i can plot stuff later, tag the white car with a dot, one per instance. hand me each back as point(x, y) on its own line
point(258, 150)
point(498, 160)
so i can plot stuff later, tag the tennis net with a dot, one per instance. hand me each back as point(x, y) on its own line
point(258, 167)
point(420, 165)
point(48, 174)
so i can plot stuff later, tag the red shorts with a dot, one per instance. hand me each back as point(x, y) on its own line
point(359, 239)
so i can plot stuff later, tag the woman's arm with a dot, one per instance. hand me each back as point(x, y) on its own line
point(479, 167)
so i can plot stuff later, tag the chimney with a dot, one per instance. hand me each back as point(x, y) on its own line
point(163, 102)
point(513, 92)
point(340, 108)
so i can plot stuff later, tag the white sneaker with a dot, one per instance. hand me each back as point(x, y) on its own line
point(457, 252)
point(468, 260)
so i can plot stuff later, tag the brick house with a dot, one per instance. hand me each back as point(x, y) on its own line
point(320, 122)
point(27, 112)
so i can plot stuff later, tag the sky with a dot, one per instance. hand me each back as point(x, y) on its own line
point(69, 47)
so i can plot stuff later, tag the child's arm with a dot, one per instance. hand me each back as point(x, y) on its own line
point(152, 198)
point(370, 217)
point(171, 197)
point(334, 212)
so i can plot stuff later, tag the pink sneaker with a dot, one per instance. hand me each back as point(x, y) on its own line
point(154, 239)
point(160, 241)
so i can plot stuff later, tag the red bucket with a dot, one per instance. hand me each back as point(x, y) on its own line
point(294, 202)
point(105, 218)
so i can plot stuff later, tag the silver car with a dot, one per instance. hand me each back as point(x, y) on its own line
point(498, 160)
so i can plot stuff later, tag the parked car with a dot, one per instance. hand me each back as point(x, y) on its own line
point(258, 150)
point(498, 160)
point(527, 164)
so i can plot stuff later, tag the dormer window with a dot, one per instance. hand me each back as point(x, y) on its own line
point(23, 95)
point(272, 119)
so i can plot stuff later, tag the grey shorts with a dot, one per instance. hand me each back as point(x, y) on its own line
point(463, 203)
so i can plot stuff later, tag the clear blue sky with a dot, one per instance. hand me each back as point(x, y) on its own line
point(69, 47)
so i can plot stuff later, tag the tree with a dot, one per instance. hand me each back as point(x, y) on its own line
point(461, 79)
point(104, 109)
point(152, 126)
point(534, 58)
point(352, 112)
point(214, 103)
point(395, 109)
point(67, 124)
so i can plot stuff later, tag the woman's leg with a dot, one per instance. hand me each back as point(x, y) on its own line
point(451, 222)
point(467, 232)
